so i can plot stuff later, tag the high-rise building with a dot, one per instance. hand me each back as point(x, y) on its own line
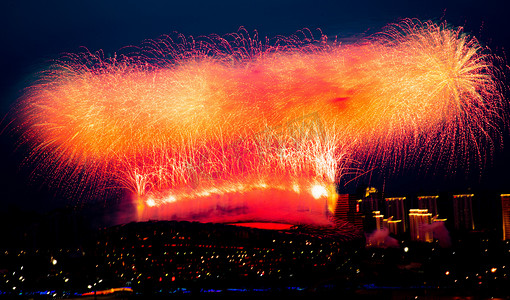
point(430, 203)
point(394, 226)
point(395, 209)
point(419, 221)
point(505, 207)
point(463, 212)
point(379, 220)
point(342, 206)
point(348, 209)
point(370, 200)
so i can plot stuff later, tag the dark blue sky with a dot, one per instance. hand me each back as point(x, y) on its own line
point(31, 32)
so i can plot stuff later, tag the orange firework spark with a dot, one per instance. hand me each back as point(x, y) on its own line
point(190, 123)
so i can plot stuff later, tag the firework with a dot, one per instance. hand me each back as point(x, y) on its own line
point(225, 123)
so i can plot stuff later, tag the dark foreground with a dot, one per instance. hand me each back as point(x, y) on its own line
point(159, 260)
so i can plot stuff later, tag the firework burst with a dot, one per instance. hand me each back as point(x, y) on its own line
point(188, 124)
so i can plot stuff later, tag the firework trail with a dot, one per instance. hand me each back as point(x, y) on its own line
point(193, 125)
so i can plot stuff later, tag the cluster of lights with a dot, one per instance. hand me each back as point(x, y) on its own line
point(182, 256)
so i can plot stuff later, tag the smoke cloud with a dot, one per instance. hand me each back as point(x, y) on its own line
point(440, 233)
point(381, 238)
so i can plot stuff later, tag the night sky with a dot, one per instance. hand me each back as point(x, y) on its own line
point(32, 32)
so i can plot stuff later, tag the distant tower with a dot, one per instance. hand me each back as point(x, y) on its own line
point(428, 202)
point(395, 211)
point(505, 207)
point(463, 212)
point(419, 221)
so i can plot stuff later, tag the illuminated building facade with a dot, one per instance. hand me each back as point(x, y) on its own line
point(430, 203)
point(505, 207)
point(379, 220)
point(395, 211)
point(394, 226)
point(419, 221)
point(348, 209)
point(370, 201)
point(342, 207)
point(463, 212)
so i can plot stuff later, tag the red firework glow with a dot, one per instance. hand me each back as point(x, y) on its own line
point(234, 129)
